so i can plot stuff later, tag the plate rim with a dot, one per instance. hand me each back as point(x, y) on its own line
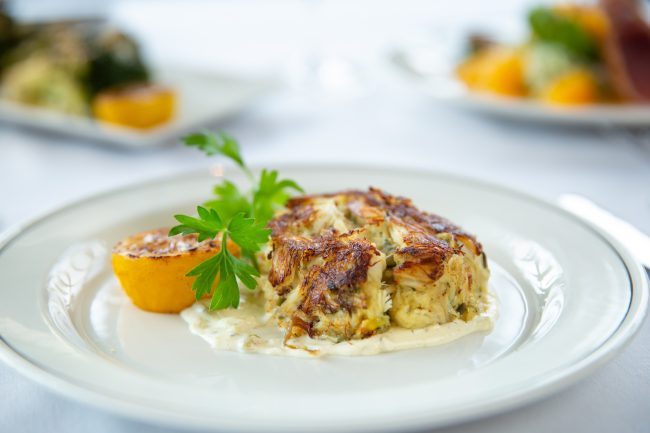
point(555, 381)
point(529, 110)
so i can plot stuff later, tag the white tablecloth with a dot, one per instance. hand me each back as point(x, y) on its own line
point(391, 125)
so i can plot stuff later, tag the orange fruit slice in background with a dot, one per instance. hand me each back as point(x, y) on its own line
point(151, 268)
point(140, 106)
point(495, 69)
point(577, 87)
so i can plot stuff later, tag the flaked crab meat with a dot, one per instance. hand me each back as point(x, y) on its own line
point(349, 265)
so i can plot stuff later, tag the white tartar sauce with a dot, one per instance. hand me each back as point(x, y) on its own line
point(250, 329)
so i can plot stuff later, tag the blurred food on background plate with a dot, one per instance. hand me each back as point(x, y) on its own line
point(574, 55)
point(83, 68)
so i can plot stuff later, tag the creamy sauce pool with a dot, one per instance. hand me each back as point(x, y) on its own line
point(250, 329)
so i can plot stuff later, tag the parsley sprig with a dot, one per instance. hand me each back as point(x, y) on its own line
point(243, 231)
point(218, 144)
point(233, 215)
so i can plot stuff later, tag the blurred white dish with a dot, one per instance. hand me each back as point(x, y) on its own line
point(202, 98)
point(433, 71)
point(569, 299)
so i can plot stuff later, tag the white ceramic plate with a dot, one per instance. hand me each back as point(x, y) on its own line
point(434, 74)
point(602, 115)
point(202, 98)
point(569, 300)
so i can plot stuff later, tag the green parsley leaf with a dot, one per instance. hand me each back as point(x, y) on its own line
point(271, 194)
point(208, 225)
point(247, 233)
point(245, 273)
point(226, 292)
point(548, 26)
point(206, 272)
point(225, 267)
point(217, 144)
point(229, 201)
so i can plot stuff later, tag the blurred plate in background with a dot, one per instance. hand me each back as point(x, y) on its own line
point(433, 72)
point(203, 98)
point(528, 110)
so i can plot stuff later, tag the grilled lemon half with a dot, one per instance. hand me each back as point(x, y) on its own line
point(151, 268)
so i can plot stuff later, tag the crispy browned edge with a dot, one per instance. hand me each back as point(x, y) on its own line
point(340, 250)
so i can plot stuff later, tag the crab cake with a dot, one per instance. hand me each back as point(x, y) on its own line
point(348, 265)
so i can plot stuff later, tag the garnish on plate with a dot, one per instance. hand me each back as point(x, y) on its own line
point(167, 270)
point(235, 216)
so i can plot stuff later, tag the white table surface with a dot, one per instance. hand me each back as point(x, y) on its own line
point(391, 125)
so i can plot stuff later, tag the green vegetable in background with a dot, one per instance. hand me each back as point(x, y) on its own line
point(550, 27)
point(63, 65)
point(114, 60)
point(7, 30)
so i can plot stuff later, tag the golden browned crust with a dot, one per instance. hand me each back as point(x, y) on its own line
point(329, 287)
point(373, 206)
point(424, 254)
point(324, 247)
point(334, 249)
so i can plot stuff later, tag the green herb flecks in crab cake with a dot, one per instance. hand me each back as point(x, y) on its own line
point(348, 265)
